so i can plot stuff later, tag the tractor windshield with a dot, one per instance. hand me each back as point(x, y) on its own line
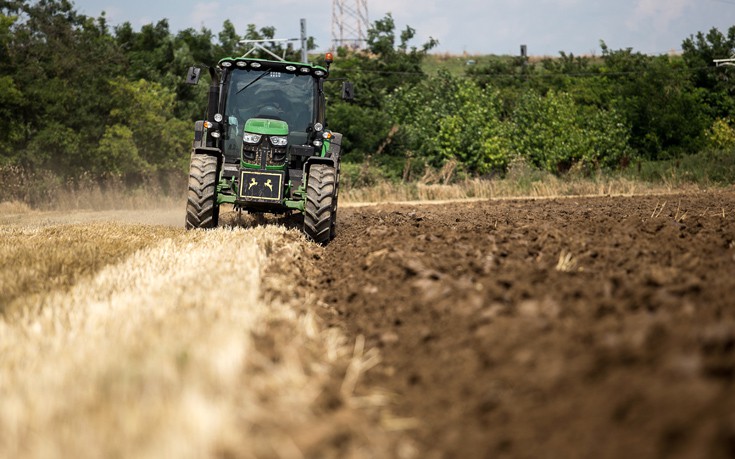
point(275, 95)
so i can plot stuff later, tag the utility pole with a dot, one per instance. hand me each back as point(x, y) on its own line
point(304, 50)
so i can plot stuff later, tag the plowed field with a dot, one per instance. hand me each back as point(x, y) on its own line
point(579, 327)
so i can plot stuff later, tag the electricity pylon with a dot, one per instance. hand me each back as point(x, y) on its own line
point(349, 23)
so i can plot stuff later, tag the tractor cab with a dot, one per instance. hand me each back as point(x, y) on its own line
point(278, 91)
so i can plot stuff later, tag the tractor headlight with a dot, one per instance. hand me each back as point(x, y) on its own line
point(279, 141)
point(251, 138)
point(318, 143)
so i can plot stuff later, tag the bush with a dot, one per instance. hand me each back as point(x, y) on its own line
point(553, 133)
point(721, 136)
point(450, 119)
point(709, 167)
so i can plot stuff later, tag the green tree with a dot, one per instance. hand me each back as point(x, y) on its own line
point(192, 48)
point(117, 152)
point(553, 133)
point(659, 101)
point(447, 118)
point(229, 40)
point(150, 52)
point(389, 63)
point(700, 51)
point(11, 97)
point(65, 59)
point(145, 109)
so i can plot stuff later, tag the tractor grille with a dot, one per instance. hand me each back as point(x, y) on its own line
point(264, 154)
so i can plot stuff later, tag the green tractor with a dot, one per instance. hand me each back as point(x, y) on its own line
point(265, 146)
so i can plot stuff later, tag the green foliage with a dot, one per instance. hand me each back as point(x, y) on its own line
point(118, 153)
point(658, 100)
point(79, 98)
point(11, 101)
point(699, 53)
point(389, 64)
point(56, 147)
point(145, 109)
point(363, 128)
point(553, 132)
point(655, 95)
point(721, 136)
point(79, 106)
point(448, 118)
point(708, 167)
point(65, 59)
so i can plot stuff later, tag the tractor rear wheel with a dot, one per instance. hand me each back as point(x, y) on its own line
point(320, 200)
point(202, 210)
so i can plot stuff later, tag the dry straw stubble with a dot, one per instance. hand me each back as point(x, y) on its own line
point(166, 353)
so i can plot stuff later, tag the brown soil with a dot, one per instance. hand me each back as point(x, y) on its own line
point(590, 327)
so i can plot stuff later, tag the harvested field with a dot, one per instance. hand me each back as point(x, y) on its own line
point(578, 327)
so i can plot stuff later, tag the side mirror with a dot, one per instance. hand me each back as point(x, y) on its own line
point(192, 76)
point(348, 91)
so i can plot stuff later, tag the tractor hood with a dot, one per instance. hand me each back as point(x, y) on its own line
point(266, 127)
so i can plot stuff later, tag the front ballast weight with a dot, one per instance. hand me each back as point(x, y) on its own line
point(264, 147)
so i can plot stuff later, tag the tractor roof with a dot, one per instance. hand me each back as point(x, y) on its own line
point(278, 66)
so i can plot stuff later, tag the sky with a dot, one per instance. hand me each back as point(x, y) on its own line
point(546, 27)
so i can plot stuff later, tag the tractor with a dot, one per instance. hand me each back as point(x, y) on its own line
point(264, 146)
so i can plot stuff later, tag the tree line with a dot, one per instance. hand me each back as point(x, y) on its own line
point(81, 96)
point(590, 112)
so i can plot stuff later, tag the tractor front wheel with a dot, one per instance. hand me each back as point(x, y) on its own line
point(202, 210)
point(320, 200)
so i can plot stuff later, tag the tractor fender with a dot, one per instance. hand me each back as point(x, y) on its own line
point(331, 159)
point(199, 140)
point(335, 147)
point(209, 151)
point(318, 160)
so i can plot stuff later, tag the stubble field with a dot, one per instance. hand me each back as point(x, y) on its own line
point(578, 327)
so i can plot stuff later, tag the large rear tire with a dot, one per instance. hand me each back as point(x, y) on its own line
point(202, 210)
point(320, 199)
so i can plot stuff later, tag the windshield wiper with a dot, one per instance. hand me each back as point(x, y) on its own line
point(253, 82)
